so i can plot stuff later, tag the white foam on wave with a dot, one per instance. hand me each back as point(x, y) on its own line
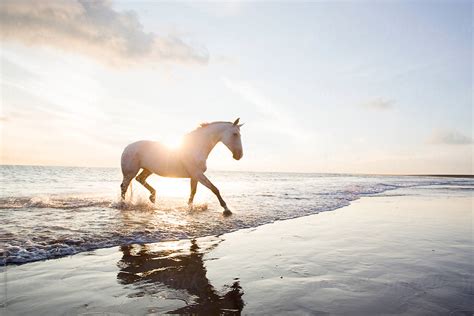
point(45, 201)
point(51, 226)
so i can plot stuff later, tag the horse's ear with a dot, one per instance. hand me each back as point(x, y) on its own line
point(240, 125)
point(237, 121)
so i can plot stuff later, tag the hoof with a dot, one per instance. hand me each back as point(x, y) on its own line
point(227, 212)
point(152, 199)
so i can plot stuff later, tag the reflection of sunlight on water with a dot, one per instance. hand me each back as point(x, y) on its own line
point(168, 188)
point(171, 187)
point(177, 246)
point(170, 245)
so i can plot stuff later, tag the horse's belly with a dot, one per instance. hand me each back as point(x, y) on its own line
point(172, 170)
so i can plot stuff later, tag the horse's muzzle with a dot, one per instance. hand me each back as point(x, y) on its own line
point(237, 155)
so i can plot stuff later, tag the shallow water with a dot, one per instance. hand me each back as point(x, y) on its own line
point(50, 212)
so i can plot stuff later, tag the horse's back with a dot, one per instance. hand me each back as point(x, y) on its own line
point(155, 157)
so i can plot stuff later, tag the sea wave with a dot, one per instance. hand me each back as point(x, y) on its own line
point(51, 202)
point(45, 226)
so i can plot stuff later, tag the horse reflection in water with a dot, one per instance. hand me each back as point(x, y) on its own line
point(156, 270)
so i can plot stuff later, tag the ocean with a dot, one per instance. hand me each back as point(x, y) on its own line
point(51, 212)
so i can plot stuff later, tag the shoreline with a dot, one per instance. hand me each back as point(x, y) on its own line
point(393, 254)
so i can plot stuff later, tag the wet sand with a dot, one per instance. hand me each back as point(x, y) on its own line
point(392, 254)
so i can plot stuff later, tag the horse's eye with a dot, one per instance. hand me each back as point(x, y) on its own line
point(235, 134)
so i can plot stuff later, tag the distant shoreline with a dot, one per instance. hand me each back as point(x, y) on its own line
point(467, 176)
point(442, 175)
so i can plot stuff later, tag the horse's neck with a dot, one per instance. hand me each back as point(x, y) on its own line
point(206, 140)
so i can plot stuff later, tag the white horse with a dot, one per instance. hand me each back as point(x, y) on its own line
point(188, 161)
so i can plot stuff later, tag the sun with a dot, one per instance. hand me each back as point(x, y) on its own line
point(173, 142)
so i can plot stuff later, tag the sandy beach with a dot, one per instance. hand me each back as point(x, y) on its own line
point(395, 253)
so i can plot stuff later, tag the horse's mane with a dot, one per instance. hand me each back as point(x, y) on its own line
point(203, 125)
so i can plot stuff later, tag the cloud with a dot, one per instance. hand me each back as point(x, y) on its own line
point(379, 104)
point(449, 137)
point(93, 28)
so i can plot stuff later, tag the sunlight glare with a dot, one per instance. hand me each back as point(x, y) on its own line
point(173, 142)
point(174, 188)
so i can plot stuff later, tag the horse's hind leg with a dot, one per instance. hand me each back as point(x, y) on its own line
point(142, 179)
point(127, 178)
point(125, 183)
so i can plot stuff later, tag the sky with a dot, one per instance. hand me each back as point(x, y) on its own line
point(378, 87)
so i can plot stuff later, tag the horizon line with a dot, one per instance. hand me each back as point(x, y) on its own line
point(295, 172)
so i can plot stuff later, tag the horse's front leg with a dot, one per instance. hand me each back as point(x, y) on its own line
point(193, 191)
point(207, 183)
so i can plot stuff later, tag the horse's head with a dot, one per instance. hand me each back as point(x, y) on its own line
point(231, 138)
